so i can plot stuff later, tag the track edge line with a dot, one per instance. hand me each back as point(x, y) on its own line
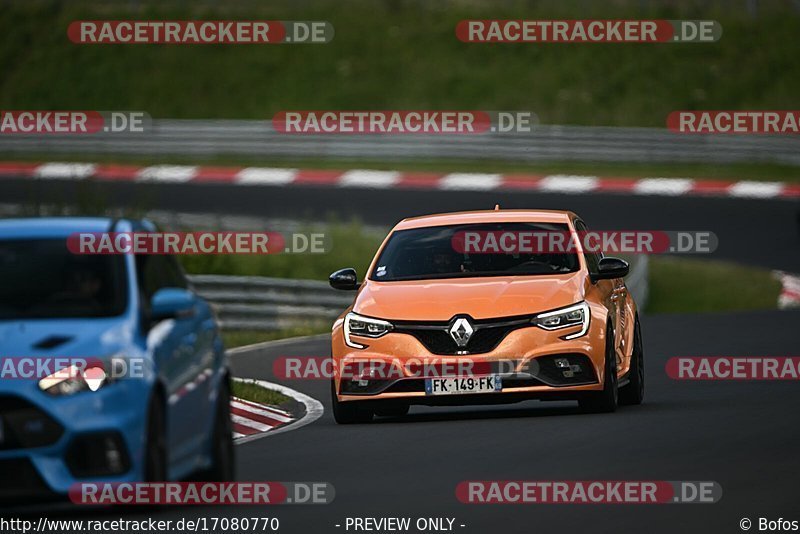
point(314, 409)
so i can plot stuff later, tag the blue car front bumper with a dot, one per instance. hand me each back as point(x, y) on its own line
point(51, 443)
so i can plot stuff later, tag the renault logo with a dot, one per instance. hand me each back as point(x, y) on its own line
point(461, 331)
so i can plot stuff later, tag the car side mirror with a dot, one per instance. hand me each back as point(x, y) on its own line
point(345, 279)
point(172, 303)
point(611, 268)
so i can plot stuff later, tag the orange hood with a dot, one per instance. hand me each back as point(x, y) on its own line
point(480, 298)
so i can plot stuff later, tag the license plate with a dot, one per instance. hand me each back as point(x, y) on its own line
point(455, 386)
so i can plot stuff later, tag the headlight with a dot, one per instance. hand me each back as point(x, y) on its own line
point(73, 379)
point(358, 325)
point(575, 315)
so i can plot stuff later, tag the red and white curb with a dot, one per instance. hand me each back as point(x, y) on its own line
point(253, 418)
point(375, 179)
point(253, 421)
point(790, 292)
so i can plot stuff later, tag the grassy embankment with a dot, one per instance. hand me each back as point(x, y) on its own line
point(404, 55)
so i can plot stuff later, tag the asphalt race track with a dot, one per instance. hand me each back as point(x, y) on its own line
point(743, 435)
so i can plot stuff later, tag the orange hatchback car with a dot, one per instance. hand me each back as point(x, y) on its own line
point(471, 308)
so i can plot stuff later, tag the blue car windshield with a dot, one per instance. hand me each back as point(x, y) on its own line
point(42, 279)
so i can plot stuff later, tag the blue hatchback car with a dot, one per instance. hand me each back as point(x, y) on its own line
point(167, 421)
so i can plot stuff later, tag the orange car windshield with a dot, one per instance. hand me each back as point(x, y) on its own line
point(476, 250)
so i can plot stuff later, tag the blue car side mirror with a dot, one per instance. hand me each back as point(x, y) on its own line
point(172, 303)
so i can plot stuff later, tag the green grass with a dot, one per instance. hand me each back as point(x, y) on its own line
point(240, 338)
point(682, 285)
point(400, 54)
point(256, 393)
point(352, 246)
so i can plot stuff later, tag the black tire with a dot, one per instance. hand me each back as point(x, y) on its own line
point(155, 462)
point(223, 459)
point(348, 413)
point(393, 410)
point(632, 393)
point(605, 400)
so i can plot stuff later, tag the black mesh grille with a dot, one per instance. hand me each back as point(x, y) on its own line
point(25, 425)
point(407, 386)
point(97, 455)
point(20, 482)
point(486, 336)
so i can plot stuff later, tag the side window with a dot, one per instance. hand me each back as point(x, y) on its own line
point(174, 273)
point(155, 272)
point(592, 258)
point(152, 274)
point(147, 273)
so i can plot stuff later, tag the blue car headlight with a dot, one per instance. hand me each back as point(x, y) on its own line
point(75, 379)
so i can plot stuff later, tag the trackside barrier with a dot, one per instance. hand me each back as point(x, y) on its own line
point(204, 138)
point(261, 303)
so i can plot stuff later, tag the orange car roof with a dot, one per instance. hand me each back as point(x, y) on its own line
point(486, 216)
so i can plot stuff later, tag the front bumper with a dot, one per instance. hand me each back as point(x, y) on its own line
point(93, 436)
point(394, 367)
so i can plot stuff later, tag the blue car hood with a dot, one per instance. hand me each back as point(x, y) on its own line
point(63, 337)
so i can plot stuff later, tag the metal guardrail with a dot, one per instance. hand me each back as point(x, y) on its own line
point(268, 304)
point(638, 280)
point(204, 138)
point(261, 303)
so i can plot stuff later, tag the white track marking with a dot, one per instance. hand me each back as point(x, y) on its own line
point(464, 181)
point(249, 423)
point(167, 173)
point(314, 409)
point(65, 171)
point(755, 189)
point(562, 183)
point(265, 176)
point(369, 179)
point(663, 186)
point(264, 413)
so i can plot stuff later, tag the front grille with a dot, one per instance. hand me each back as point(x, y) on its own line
point(24, 426)
point(411, 385)
point(21, 483)
point(97, 455)
point(487, 334)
